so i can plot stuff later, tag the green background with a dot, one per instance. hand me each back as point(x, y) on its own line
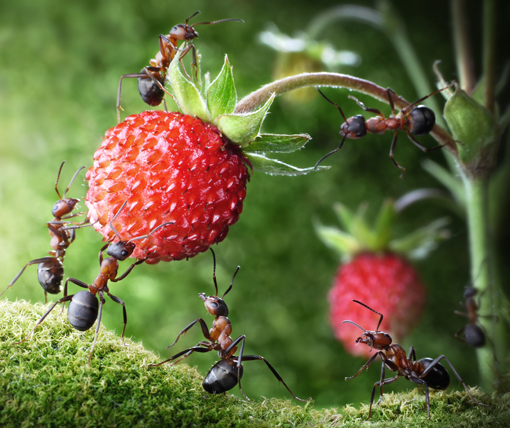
point(60, 63)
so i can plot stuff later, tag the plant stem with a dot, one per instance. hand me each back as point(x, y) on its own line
point(279, 87)
point(489, 53)
point(462, 47)
point(481, 268)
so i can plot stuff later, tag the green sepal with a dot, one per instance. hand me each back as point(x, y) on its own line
point(473, 126)
point(383, 224)
point(339, 241)
point(221, 94)
point(275, 167)
point(418, 244)
point(277, 143)
point(447, 179)
point(242, 129)
point(187, 94)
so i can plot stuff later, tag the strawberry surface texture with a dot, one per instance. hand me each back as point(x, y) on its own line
point(387, 283)
point(169, 167)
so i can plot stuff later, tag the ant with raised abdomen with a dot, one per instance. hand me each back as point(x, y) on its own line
point(83, 307)
point(151, 79)
point(50, 270)
point(413, 120)
point(227, 372)
point(426, 372)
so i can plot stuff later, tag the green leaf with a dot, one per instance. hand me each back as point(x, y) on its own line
point(187, 94)
point(446, 178)
point(277, 143)
point(473, 126)
point(275, 167)
point(222, 95)
point(339, 241)
point(418, 244)
point(243, 128)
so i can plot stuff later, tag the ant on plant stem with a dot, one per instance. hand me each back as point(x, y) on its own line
point(151, 79)
point(227, 372)
point(425, 372)
point(50, 269)
point(413, 120)
point(83, 306)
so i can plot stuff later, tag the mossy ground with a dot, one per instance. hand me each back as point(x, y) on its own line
point(46, 381)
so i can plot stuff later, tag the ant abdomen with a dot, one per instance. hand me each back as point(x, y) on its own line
point(438, 377)
point(222, 377)
point(354, 127)
point(422, 120)
point(50, 275)
point(83, 310)
point(150, 91)
point(474, 335)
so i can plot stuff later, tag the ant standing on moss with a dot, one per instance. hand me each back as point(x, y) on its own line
point(426, 372)
point(83, 306)
point(50, 270)
point(151, 79)
point(413, 120)
point(227, 372)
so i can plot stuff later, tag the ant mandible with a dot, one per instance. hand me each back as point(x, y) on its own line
point(50, 270)
point(413, 120)
point(151, 79)
point(83, 306)
point(227, 372)
point(426, 372)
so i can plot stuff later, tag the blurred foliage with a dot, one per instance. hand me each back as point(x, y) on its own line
point(60, 66)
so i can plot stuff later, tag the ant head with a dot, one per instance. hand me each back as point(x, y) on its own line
point(215, 305)
point(121, 250)
point(183, 32)
point(421, 120)
point(354, 127)
point(470, 292)
point(376, 339)
point(63, 207)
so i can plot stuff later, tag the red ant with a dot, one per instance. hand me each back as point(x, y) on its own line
point(151, 79)
point(227, 372)
point(413, 120)
point(83, 306)
point(50, 270)
point(426, 372)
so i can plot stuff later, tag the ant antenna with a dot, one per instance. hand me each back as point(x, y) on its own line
point(70, 183)
point(214, 269)
point(232, 283)
point(380, 321)
point(114, 217)
point(331, 102)
point(353, 323)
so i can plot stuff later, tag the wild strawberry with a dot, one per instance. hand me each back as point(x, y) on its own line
point(187, 169)
point(375, 273)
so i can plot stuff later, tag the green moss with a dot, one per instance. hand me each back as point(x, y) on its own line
point(46, 381)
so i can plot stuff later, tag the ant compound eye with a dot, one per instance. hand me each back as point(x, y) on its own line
point(214, 305)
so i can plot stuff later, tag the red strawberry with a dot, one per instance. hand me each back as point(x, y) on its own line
point(188, 169)
point(170, 168)
point(388, 284)
point(376, 273)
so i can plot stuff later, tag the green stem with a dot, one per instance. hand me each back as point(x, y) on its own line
point(462, 48)
point(336, 80)
point(489, 53)
point(481, 268)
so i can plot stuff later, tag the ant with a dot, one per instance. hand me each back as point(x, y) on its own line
point(227, 372)
point(151, 79)
point(413, 120)
point(426, 372)
point(50, 270)
point(83, 306)
point(473, 332)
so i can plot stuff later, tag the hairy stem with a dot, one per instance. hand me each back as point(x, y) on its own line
point(279, 87)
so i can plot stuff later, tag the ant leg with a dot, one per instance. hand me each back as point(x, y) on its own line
point(32, 262)
point(381, 384)
point(128, 271)
point(330, 153)
point(366, 365)
point(101, 303)
point(125, 76)
point(436, 361)
point(120, 302)
point(205, 331)
point(457, 335)
point(259, 357)
point(369, 109)
point(62, 300)
point(74, 281)
point(392, 151)
point(412, 353)
point(390, 93)
point(411, 106)
point(182, 355)
point(422, 148)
